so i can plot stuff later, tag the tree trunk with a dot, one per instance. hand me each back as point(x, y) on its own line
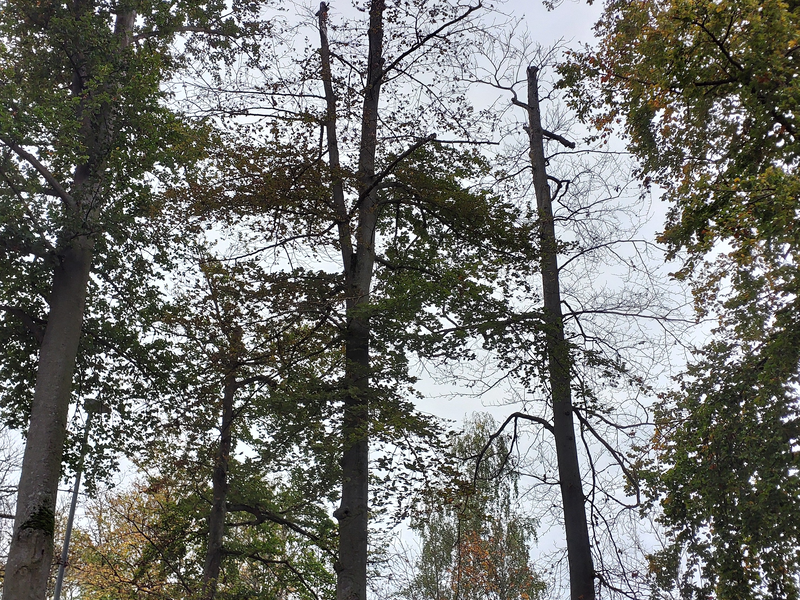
point(358, 262)
point(352, 514)
point(31, 554)
point(220, 486)
point(581, 568)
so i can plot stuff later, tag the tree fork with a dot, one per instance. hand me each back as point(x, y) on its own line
point(579, 553)
point(358, 258)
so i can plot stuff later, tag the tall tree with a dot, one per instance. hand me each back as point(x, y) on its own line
point(581, 568)
point(573, 361)
point(83, 130)
point(705, 92)
point(92, 78)
point(357, 242)
point(358, 262)
point(416, 239)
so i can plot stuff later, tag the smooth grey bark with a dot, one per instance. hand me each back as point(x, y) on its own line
point(219, 490)
point(30, 556)
point(358, 263)
point(579, 553)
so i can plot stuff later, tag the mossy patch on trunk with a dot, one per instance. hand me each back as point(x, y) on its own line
point(43, 519)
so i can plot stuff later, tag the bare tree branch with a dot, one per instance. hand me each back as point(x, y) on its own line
point(391, 166)
point(414, 47)
point(513, 417)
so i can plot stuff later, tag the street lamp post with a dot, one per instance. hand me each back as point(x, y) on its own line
point(91, 407)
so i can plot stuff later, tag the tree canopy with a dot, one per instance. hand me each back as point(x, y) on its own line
point(249, 237)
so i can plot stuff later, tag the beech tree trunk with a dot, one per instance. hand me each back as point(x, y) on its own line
point(358, 258)
point(30, 556)
point(220, 486)
point(581, 568)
